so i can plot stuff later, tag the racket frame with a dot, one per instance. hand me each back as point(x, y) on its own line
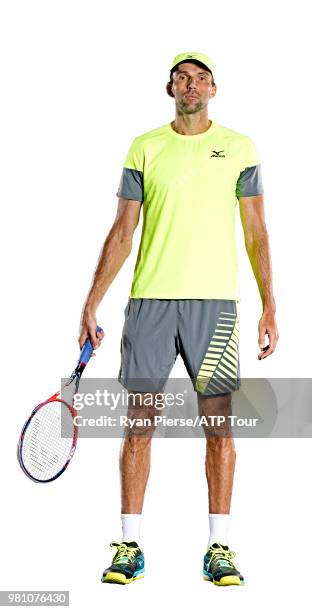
point(53, 398)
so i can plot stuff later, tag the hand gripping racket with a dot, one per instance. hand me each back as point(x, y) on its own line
point(42, 452)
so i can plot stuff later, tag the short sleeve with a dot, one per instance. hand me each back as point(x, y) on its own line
point(131, 181)
point(249, 182)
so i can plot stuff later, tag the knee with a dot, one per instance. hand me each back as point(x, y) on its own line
point(139, 426)
point(135, 444)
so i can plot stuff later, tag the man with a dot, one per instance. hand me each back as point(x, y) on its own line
point(188, 175)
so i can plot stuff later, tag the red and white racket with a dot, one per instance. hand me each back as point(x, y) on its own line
point(43, 452)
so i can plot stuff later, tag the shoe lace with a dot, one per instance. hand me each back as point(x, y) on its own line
point(219, 554)
point(124, 553)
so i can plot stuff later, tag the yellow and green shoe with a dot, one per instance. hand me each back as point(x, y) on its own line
point(127, 564)
point(219, 567)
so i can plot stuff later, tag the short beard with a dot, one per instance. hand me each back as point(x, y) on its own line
point(190, 109)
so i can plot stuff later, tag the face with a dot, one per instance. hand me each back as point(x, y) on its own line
point(192, 87)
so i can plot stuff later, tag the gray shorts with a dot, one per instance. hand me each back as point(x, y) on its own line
point(205, 332)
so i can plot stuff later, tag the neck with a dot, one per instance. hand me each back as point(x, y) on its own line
point(191, 124)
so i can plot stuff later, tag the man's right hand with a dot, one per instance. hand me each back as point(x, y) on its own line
point(88, 329)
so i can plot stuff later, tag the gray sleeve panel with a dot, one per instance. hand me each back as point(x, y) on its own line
point(249, 182)
point(131, 185)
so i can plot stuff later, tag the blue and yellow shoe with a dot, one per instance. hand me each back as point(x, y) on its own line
point(219, 568)
point(127, 565)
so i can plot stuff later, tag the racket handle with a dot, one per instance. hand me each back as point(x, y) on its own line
point(87, 350)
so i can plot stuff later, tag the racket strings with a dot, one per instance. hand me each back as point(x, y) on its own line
point(48, 440)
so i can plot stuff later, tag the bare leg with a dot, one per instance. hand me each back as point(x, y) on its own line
point(220, 453)
point(135, 455)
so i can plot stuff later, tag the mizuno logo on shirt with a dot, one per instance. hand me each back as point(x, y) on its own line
point(217, 154)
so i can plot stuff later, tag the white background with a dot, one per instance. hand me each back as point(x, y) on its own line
point(79, 81)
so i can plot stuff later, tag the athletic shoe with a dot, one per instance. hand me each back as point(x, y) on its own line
point(219, 568)
point(127, 565)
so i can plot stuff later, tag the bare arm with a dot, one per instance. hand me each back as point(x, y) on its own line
point(116, 248)
point(257, 246)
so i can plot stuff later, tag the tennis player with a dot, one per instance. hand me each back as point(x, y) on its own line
point(184, 299)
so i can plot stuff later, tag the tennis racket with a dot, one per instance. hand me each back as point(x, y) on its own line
point(43, 453)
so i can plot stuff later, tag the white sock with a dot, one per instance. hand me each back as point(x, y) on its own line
point(218, 525)
point(131, 524)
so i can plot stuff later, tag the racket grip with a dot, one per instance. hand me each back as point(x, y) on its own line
point(87, 349)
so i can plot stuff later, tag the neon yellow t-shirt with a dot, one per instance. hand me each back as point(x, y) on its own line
point(189, 187)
